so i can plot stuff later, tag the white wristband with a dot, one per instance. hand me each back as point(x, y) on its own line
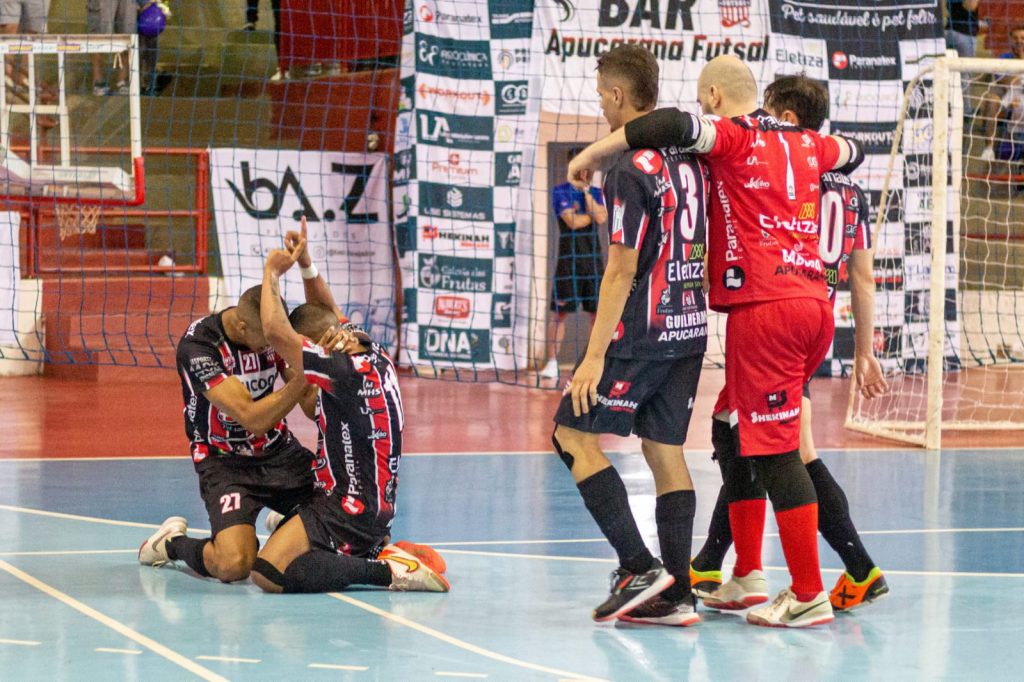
point(309, 273)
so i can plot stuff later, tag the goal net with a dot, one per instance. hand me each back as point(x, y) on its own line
point(951, 298)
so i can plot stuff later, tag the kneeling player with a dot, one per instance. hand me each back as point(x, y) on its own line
point(644, 357)
point(339, 538)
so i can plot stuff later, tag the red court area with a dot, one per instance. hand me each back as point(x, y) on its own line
point(133, 413)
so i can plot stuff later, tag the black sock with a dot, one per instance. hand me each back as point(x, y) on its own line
point(712, 554)
point(674, 515)
point(835, 524)
point(322, 571)
point(606, 499)
point(189, 550)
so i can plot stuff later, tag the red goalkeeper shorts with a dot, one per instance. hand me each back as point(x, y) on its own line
point(771, 350)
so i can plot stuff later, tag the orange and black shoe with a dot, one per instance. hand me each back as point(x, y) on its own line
point(704, 583)
point(426, 554)
point(848, 594)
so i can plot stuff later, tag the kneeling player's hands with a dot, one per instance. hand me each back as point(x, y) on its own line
point(340, 339)
point(583, 385)
point(867, 373)
point(279, 261)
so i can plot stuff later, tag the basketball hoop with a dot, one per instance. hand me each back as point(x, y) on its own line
point(77, 219)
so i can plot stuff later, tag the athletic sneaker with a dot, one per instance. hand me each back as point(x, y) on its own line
point(848, 594)
point(153, 551)
point(272, 521)
point(739, 593)
point(629, 590)
point(426, 554)
point(704, 583)
point(789, 612)
point(660, 611)
point(123, 89)
point(550, 370)
point(100, 89)
point(409, 574)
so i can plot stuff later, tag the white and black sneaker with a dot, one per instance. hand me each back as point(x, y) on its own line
point(153, 551)
point(660, 611)
point(629, 590)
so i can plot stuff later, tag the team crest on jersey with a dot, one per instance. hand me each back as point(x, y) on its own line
point(775, 400)
point(618, 215)
point(734, 278)
point(647, 161)
point(352, 506)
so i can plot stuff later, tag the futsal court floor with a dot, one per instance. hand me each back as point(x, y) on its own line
point(86, 475)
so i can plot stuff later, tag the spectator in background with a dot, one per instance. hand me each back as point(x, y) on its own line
point(1003, 108)
point(23, 16)
point(108, 17)
point(252, 15)
point(579, 269)
point(152, 18)
point(962, 27)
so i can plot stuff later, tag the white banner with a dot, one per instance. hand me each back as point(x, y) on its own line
point(10, 276)
point(260, 194)
point(684, 36)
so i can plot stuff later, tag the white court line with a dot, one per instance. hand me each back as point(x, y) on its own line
point(71, 552)
point(228, 659)
point(454, 641)
point(107, 650)
point(335, 666)
point(88, 519)
point(444, 673)
point(478, 543)
point(20, 642)
point(116, 626)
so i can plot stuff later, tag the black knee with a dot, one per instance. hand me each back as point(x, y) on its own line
point(268, 571)
point(786, 480)
point(566, 457)
point(723, 441)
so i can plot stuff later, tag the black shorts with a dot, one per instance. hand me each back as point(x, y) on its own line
point(577, 281)
point(651, 398)
point(235, 488)
point(329, 528)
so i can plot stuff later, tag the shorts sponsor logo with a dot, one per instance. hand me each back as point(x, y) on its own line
point(352, 506)
point(619, 389)
point(776, 400)
point(452, 307)
point(647, 161)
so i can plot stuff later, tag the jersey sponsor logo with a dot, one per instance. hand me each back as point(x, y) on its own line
point(618, 215)
point(733, 250)
point(757, 184)
point(352, 506)
point(685, 334)
point(648, 161)
point(799, 258)
point(733, 278)
point(453, 307)
point(800, 225)
point(697, 318)
point(685, 271)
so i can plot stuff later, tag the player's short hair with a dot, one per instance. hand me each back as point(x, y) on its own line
point(312, 320)
point(805, 97)
point(638, 67)
point(249, 305)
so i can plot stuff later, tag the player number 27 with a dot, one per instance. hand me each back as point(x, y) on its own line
point(230, 502)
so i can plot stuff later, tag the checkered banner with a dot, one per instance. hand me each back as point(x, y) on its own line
point(467, 126)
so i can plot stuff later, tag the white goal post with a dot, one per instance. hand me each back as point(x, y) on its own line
point(961, 368)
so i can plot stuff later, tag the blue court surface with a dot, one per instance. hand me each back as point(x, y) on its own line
point(526, 564)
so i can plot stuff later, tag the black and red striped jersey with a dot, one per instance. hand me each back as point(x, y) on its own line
point(206, 357)
point(844, 227)
point(360, 420)
point(657, 200)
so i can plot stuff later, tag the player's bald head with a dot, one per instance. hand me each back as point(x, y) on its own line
point(733, 84)
point(249, 306)
point(312, 320)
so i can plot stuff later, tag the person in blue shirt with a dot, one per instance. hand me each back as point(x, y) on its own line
point(1002, 109)
point(579, 269)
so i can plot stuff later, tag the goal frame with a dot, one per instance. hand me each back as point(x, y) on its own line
point(947, 155)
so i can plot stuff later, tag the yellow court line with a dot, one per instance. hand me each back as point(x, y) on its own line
point(454, 641)
point(117, 626)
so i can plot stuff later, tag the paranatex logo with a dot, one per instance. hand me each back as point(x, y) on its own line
point(430, 14)
point(841, 60)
